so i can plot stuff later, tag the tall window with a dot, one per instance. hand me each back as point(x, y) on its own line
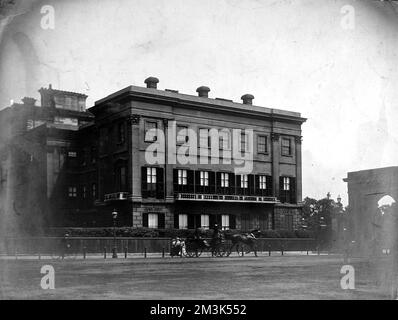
point(224, 140)
point(182, 134)
point(205, 221)
point(121, 132)
point(243, 142)
point(224, 180)
point(286, 147)
point(150, 131)
point(151, 175)
point(244, 181)
point(204, 178)
point(94, 190)
point(84, 192)
point(83, 157)
point(121, 178)
point(93, 155)
point(262, 182)
point(72, 192)
point(225, 222)
point(287, 191)
point(152, 182)
point(103, 140)
point(182, 177)
point(153, 221)
point(204, 138)
point(286, 183)
point(182, 221)
point(262, 144)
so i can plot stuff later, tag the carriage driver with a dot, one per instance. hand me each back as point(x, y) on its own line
point(197, 234)
point(216, 233)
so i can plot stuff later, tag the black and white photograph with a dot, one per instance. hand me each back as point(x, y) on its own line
point(201, 150)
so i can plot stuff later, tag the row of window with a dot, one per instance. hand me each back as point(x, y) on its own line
point(191, 181)
point(204, 138)
point(207, 221)
point(224, 139)
point(221, 182)
point(185, 221)
point(91, 156)
point(85, 192)
point(105, 136)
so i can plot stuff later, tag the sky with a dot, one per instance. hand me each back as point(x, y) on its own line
point(333, 61)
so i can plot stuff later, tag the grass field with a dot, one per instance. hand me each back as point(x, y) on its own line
point(276, 277)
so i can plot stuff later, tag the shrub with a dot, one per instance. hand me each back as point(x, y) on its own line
point(304, 234)
point(286, 233)
point(167, 233)
point(269, 234)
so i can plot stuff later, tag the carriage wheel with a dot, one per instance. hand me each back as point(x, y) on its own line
point(223, 250)
point(228, 249)
point(193, 251)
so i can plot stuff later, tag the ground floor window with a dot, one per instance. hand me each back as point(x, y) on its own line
point(182, 221)
point(205, 221)
point(225, 222)
point(152, 220)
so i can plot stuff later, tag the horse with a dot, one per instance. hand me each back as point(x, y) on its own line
point(248, 239)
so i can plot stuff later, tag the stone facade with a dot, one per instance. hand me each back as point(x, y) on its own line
point(95, 161)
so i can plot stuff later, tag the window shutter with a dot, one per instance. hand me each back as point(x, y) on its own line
point(159, 183)
point(176, 221)
point(190, 180)
point(191, 221)
point(250, 180)
point(238, 184)
point(197, 221)
point(218, 182)
point(282, 196)
point(161, 220)
point(232, 221)
point(212, 181)
point(219, 220)
point(144, 185)
point(212, 220)
point(198, 188)
point(231, 183)
point(175, 180)
point(145, 220)
point(257, 189)
point(269, 185)
point(293, 194)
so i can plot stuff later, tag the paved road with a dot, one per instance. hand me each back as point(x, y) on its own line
point(276, 277)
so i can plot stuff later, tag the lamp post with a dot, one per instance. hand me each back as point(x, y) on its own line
point(114, 250)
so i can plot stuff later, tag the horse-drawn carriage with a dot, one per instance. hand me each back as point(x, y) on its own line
point(220, 246)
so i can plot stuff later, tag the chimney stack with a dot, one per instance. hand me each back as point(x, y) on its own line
point(247, 99)
point(203, 91)
point(152, 82)
point(29, 101)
